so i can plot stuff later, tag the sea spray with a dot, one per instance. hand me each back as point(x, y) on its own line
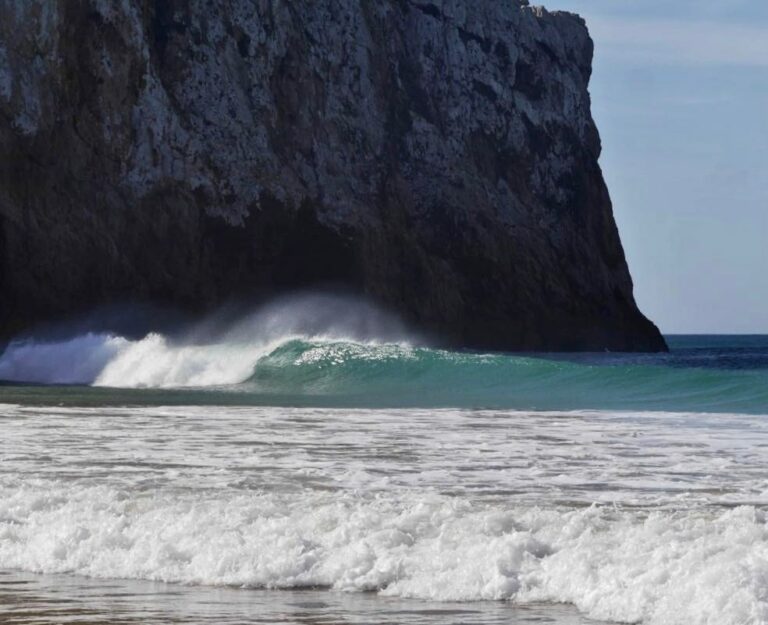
point(78, 360)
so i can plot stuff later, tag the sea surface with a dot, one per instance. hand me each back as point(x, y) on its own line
point(277, 470)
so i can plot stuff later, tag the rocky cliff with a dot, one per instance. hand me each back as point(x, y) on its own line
point(438, 156)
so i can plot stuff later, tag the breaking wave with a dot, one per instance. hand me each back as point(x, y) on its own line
point(334, 351)
point(216, 352)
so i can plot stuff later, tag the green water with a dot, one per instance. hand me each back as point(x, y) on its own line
point(700, 374)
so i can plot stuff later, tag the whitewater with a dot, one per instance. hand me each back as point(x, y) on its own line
point(315, 462)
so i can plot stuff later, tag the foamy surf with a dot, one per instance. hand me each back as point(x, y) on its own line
point(658, 568)
point(629, 516)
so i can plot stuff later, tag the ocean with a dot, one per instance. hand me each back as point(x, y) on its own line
point(283, 470)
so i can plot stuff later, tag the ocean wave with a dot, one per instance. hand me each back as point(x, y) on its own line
point(332, 371)
point(218, 351)
point(705, 567)
point(338, 352)
point(415, 376)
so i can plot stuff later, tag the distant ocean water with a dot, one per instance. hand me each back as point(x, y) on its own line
point(324, 462)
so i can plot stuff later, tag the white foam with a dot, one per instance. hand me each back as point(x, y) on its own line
point(108, 360)
point(157, 363)
point(694, 568)
point(432, 504)
point(207, 355)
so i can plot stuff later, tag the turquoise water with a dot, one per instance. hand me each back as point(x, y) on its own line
point(700, 373)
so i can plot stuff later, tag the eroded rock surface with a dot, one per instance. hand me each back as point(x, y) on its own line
point(439, 157)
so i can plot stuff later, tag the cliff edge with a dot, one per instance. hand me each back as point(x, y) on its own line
point(438, 156)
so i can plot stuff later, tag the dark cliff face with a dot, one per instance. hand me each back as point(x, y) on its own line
point(439, 157)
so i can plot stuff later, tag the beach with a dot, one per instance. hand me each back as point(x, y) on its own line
point(112, 510)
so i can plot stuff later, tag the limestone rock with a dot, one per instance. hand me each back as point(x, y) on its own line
point(438, 156)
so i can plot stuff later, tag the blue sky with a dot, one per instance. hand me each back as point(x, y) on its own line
point(680, 95)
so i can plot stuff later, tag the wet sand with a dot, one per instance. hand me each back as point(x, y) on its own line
point(27, 599)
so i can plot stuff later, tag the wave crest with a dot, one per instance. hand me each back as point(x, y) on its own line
point(218, 351)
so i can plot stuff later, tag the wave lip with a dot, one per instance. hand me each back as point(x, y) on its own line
point(411, 376)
